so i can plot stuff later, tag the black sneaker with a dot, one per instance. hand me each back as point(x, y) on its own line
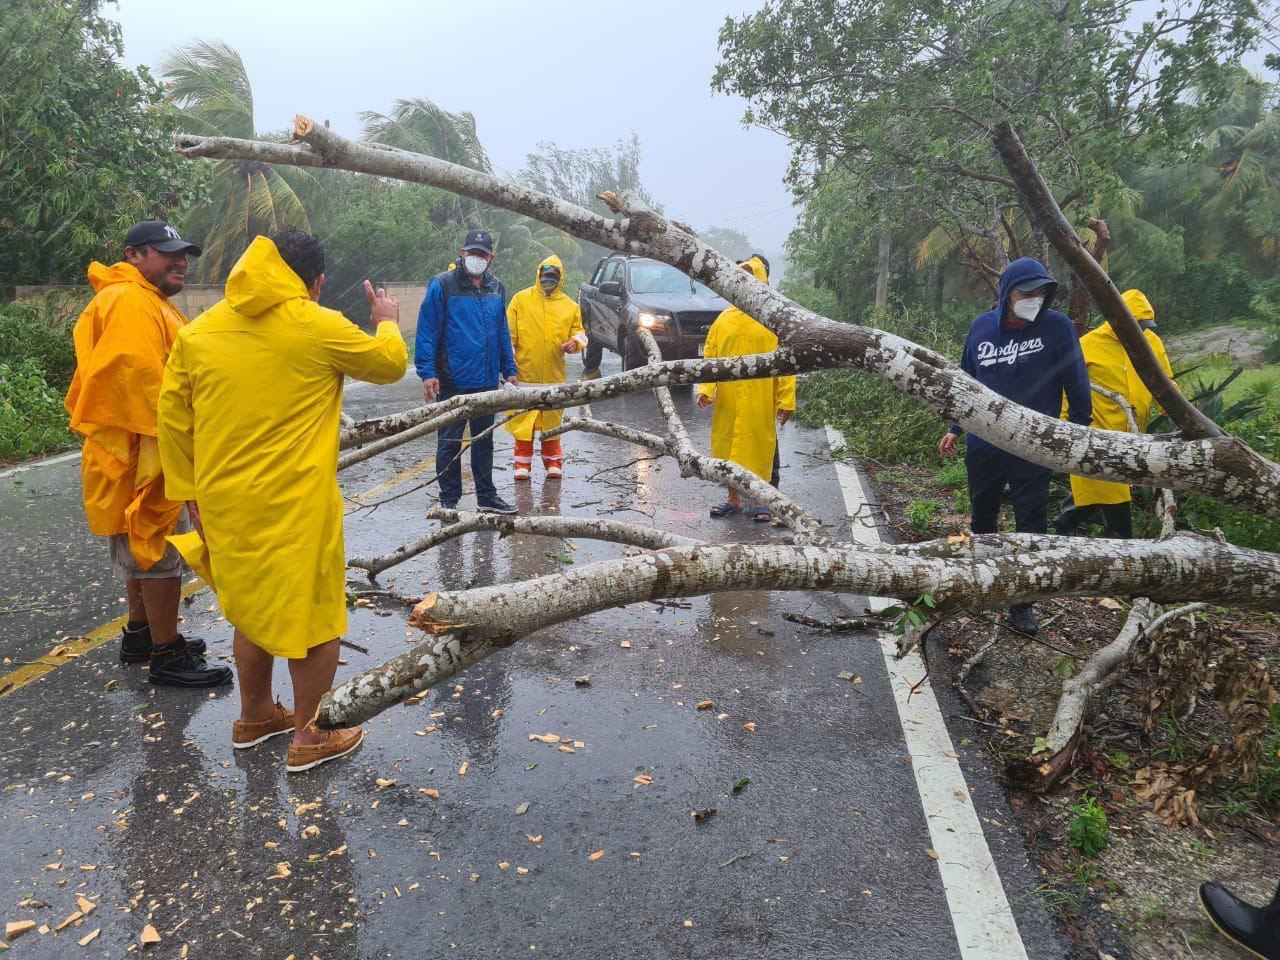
point(448, 504)
point(135, 644)
point(494, 504)
point(173, 665)
point(1022, 618)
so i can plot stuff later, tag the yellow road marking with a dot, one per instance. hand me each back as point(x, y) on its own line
point(74, 648)
point(402, 477)
point(77, 647)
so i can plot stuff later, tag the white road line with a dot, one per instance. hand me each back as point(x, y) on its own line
point(984, 924)
point(46, 462)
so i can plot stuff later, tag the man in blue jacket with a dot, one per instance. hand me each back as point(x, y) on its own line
point(1029, 353)
point(464, 346)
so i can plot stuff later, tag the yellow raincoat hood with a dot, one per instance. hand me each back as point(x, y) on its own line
point(540, 324)
point(261, 280)
point(757, 269)
point(1138, 305)
point(551, 261)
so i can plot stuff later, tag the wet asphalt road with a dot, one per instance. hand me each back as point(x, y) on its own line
point(132, 797)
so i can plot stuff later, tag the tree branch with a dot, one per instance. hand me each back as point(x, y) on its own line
point(456, 524)
point(1220, 467)
point(470, 625)
point(1040, 204)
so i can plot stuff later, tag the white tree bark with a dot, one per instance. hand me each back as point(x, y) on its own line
point(468, 625)
point(455, 524)
point(1220, 467)
point(978, 571)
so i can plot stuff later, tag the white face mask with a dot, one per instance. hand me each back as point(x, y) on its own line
point(476, 266)
point(1028, 309)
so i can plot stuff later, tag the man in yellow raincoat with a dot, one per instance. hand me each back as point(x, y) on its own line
point(545, 324)
point(742, 426)
point(249, 420)
point(1110, 368)
point(122, 340)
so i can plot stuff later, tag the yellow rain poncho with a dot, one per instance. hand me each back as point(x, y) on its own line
point(122, 341)
point(742, 426)
point(539, 324)
point(249, 419)
point(1110, 368)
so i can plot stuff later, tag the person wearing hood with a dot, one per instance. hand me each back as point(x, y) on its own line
point(1026, 351)
point(1110, 368)
point(545, 324)
point(122, 340)
point(463, 346)
point(249, 424)
point(743, 426)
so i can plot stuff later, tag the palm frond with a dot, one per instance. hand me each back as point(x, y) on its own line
point(937, 246)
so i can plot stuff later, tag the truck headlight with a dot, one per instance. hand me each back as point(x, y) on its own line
point(651, 320)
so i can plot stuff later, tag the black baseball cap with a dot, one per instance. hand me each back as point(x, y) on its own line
point(479, 240)
point(161, 236)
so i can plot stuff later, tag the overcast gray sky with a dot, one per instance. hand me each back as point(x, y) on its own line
point(575, 72)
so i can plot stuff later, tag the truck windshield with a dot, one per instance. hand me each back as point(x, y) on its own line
point(648, 276)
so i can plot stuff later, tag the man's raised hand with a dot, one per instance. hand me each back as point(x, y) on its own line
point(382, 306)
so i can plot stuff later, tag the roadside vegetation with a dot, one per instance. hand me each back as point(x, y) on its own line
point(36, 363)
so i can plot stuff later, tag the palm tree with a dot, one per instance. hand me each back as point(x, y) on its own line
point(1244, 145)
point(422, 126)
point(209, 84)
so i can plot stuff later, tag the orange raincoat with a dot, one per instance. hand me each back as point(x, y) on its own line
point(122, 341)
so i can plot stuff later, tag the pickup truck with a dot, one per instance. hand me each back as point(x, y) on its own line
point(627, 292)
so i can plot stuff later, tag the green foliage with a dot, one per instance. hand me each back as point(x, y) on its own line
point(209, 83)
point(1088, 831)
point(889, 107)
point(1209, 292)
point(880, 423)
point(580, 176)
point(84, 142)
point(381, 231)
point(38, 362)
point(39, 331)
point(953, 474)
point(32, 418)
point(1271, 353)
point(920, 514)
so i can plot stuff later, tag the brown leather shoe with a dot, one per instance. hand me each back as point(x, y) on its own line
point(340, 743)
point(246, 735)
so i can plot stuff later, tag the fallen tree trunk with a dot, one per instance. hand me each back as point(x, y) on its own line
point(469, 625)
point(1217, 466)
point(456, 524)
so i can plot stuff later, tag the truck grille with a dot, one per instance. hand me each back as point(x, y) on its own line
point(696, 322)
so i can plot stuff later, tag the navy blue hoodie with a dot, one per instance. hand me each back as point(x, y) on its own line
point(1033, 366)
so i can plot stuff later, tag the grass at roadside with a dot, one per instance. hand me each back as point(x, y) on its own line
point(37, 360)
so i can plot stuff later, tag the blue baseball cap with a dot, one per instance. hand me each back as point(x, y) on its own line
point(479, 240)
point(1034, 284)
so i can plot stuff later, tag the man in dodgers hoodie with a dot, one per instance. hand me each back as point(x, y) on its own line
point(1029, 353)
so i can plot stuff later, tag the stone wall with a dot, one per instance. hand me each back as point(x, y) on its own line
point(196, 298)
